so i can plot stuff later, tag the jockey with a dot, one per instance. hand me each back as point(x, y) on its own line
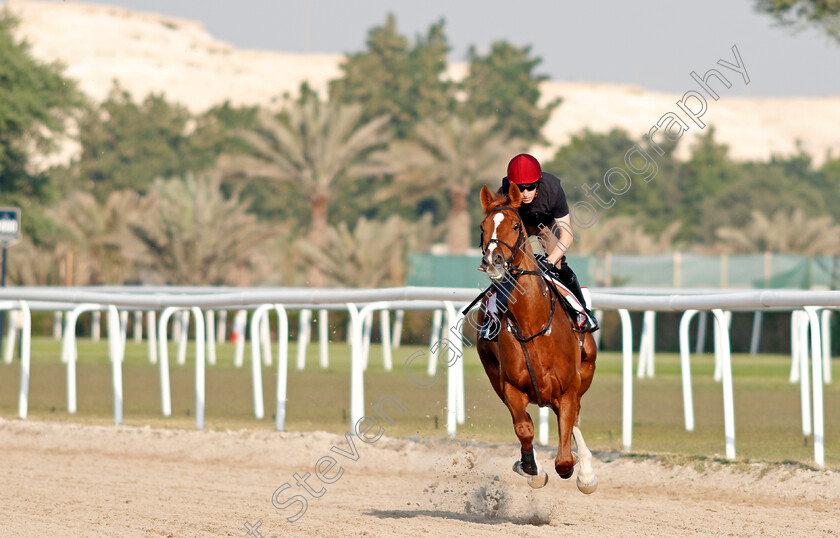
point(544, 203)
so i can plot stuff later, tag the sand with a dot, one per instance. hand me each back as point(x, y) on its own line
point(64, 479)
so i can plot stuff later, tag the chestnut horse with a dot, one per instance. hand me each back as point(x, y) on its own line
point(538, 356)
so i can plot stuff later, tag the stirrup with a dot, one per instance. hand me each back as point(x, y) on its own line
point(588, 324)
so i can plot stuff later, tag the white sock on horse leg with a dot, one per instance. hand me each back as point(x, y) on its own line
point(586, 474)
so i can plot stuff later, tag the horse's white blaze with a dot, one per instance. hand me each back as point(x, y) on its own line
point(497, 219)
point(586, 480)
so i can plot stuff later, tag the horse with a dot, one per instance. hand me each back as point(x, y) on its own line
point(538, 356)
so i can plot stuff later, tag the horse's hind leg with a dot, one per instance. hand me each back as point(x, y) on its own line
point(587, 482)
point(587, 363)
point(567, 416)
point(517, 404)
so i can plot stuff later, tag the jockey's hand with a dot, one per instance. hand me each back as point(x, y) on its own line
point(482, 268)
point(543, 263)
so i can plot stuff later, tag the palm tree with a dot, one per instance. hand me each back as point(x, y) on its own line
point(311, 146)
point(98, 234)
point(455, 156)
point(276, 263)
point(783, 232)
point(192, 234)
point(373, 253)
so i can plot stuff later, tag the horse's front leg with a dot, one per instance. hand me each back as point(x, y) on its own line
point(567, 416)
point(527, 466)
point(487, 355)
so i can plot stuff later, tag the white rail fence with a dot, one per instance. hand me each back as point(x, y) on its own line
point(811, 312)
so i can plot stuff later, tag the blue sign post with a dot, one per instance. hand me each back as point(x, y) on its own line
point(9, 235)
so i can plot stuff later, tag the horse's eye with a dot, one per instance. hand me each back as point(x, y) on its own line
point(516, 226)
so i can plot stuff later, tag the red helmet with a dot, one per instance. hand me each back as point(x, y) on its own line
point(524, 169)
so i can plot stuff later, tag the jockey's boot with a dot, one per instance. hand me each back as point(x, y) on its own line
point(484, 332)
point(586, 321)
point(489, 329)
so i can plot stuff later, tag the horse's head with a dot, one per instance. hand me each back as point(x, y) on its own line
point(502, 231)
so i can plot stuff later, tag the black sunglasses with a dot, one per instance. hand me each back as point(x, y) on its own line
point(529, 186)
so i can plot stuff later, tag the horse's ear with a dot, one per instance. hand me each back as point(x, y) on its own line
point(515, 195)
point(486, 197)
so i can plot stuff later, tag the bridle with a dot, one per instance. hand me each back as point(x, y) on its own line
point(508, 265)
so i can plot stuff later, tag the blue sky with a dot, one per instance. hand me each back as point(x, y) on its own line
point(647, 43)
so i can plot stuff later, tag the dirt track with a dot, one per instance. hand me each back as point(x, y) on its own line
point(69, 479)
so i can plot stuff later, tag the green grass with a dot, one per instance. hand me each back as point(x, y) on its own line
point(767, 414)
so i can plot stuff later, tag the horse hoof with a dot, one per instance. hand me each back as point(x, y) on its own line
point(538, 481)
point(535, 481)
point(566, 476)
point(588, 489)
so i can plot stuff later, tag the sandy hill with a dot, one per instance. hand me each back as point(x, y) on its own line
point(153, 53)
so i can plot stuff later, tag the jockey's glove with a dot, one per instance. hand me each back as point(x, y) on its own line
point(544, 264)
